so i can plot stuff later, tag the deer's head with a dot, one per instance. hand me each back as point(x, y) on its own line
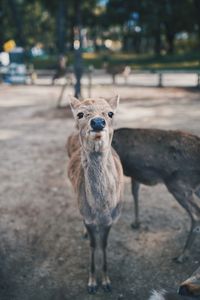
point(94, 119)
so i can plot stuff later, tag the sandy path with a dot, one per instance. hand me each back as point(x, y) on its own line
point(42, 255)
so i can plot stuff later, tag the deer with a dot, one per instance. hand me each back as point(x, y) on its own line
point(96, 175)
point(188, 290)
point(114, 70)
point(152, 156)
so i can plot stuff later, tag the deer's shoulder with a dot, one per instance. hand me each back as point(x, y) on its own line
point(75, 170)
point(73, 143)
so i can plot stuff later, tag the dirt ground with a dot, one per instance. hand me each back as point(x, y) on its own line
point(42, 254)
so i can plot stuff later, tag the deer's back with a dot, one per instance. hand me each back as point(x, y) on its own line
point(152, 155)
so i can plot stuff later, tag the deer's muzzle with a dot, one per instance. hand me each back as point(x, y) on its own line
point(97, 124)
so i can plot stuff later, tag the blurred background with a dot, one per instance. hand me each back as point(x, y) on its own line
point(115, 35)
point(155, 29)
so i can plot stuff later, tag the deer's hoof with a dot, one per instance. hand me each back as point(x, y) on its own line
point(107, 287)
point(135, 225)
point(92, 289)
point(85, 236)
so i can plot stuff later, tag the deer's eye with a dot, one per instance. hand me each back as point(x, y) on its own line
point(80, 115)
point(110, 114)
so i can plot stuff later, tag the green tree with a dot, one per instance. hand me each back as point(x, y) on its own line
point(157, 19)
point(177, 18)
point(196, 4)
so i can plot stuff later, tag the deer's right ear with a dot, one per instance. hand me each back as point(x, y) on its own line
point(114, 101)
point(74, 104)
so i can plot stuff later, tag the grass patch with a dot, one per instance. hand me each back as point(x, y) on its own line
point(186, 61)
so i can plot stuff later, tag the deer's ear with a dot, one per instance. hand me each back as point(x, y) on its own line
point(74, 102)
point(113, 102)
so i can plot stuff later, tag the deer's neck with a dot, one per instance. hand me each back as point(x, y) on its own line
point(100, 182)
point(97, 172)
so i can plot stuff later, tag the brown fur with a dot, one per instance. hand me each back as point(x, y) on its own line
point(73, 144)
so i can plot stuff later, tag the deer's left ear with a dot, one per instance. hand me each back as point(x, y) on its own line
point(113, 102)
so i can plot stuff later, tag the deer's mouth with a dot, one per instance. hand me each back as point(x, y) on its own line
point(97, 135)
point(97, 141)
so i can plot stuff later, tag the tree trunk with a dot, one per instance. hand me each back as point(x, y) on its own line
point(136, 43)
point(71, 33)
point(78, 60)
point(197, 13)
point(170, 37)
point(170, 42)
point(157, 41)
point(18, 22)
point(61, 27)
point(125, 42)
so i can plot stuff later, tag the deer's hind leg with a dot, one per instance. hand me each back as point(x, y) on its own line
point(187, 199)
point(92, 283)
point(135, 191)
point(104, 232)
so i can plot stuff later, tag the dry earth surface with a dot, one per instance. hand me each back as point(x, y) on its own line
point(42, 254)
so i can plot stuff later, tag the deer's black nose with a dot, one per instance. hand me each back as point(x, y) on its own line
point(97, 124)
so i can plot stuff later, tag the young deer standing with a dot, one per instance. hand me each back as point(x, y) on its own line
point(96, 174)
point(151, 156)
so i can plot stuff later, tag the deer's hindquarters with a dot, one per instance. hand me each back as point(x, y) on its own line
point(152, 156)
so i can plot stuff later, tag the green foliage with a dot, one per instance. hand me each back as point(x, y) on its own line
point(52, 23)
point(188, 61)
point(36, 20)
point(159, 21)
point(39, 26)
point(184, 61)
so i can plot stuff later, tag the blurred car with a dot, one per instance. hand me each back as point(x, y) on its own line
point(15, 71)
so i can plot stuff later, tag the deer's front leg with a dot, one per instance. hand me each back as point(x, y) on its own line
point(103, 239)
point(92, 284)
